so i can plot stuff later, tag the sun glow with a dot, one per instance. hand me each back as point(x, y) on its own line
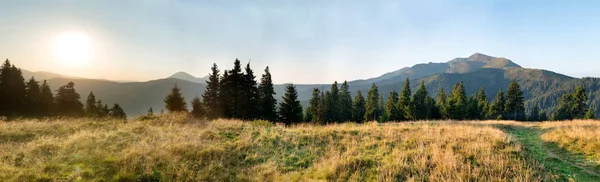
point(73, 49)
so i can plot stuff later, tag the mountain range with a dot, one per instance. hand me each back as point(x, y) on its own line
point(540, 87)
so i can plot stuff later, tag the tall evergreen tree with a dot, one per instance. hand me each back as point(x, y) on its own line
point(422, 109)
point(90, 106)
point(580, 107)
point(431, 110)
point(46, 100)
point(371, 113)
point(174, 102)
point(33, 98)
point(225, 95)
point(534, 115)
point(290, 110)
point(332, 108)
point(198, 110)
point(590, 114)
point(100, 111)
point(390, 107)
point(211, 94)
point(67, 101)
point(383, 116)
point(473, 108)
point(327, 108)
point(358, 107)
point(441, 104)
point(483, 103)
point(12, 90)
point(515, 103)
point(404, 102)
point(249, 109)
point(345, 103)
point(117, 112)
point(267, 103)
point(313, 107)
point(457, 102)
point(496, 109)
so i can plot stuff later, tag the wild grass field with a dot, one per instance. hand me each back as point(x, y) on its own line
point(179, 148)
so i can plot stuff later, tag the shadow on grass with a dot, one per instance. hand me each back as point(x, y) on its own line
point(555, 159)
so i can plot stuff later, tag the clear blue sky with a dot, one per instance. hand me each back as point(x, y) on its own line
point(303, 41)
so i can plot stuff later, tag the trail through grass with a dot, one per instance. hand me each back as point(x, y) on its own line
point(569, 166)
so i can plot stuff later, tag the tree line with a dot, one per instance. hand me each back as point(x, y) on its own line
point(236, 94)
point(32, 100)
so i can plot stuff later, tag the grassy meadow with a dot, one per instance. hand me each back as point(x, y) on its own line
point(179, 148)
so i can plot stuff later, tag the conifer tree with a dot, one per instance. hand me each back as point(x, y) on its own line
point(358, 107)
point(321, 108)
point(174, 102)
point(225, 95)
point(105, 111)
point(431, 110)
point(422, 109)
point(313, 107)
point(371, 113)
point(473, 108)
point(383, 116)
point(457, 102)
point(404, 102)
point(290, 110)
point(46, 100)
point(32, 98)
point(332, 108)
point(515, 103)
point(534, 115)
point(198, 110)
point(441, 104)
point(345, 103)
point(483, 103)
point(327, 108)
point(211, 94)
point(390, 107)
point(90, 106)
point(580, 107)
point(117, 112)
point(496, 109)
point(12, 90)
point(67, 101)
point(543, 116)
point(249, 109)
point(100, 112)
point(267, 103)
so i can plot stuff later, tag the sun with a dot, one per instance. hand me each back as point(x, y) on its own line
point(73, 49)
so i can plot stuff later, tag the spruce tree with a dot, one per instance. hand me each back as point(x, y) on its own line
point(404, 102)
point(251, 96)
point(174, 102)
point(313, 107)
point(100, 112)
point(67, 101)
point(105, 111)
point(457, 102)
point(12, 90)
point(117, 112)
point(198, 110)
point(483, 103)
point(473, 108)
point(321, 108)
point(381, 109)
point(290, 110)
point(358, 107)
point(90, 106)
point(327, 108)
point(33, 98)
point(371, 113)
point(225, 95)
point(431, 110)
point(515, 103)
point(390, 107)
point(496, 109)
point(333, 104)
point(422, 109)
point(345, 103)
point(441, 104)
point(580, 107)
point(534, 115)
point(46, 100)
point(267, 103)
point(211, 94)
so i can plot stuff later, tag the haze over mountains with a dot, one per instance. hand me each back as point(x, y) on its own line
point(541, 87)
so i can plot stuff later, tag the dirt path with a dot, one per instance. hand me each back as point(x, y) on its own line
point(557, 160)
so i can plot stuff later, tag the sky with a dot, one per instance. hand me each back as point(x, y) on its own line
point(302, 41)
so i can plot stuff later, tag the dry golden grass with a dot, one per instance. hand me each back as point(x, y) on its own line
point(177, 148)
point(576, 136)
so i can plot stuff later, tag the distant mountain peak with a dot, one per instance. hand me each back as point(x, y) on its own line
point(188, 77)
point(480, 57)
